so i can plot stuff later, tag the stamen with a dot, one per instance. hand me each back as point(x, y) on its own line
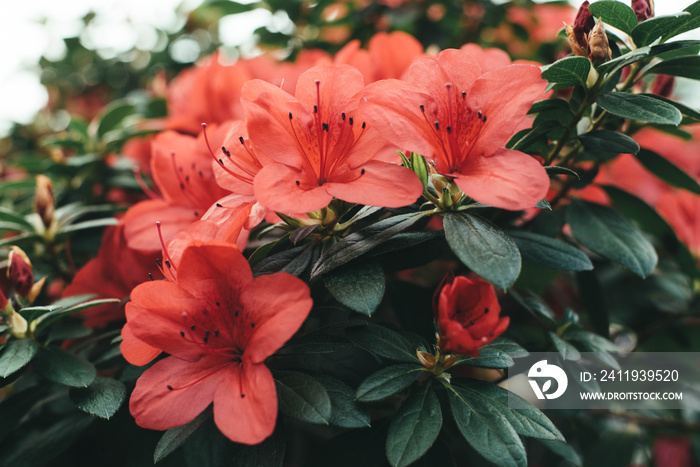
point(177, 172)
point(350, 121)
point(170, 388)
point(464, 94)
point(342, 115)
point(220, 161)
point(165, 250)
point(150, 276)
point(228, 154)
point(240, 138)
point(362, 172)
point(297, 182)
point(290, 115)
point(437, 125)
point(142, 184)
point(217, 303)
point(422, 108)
point(478, 114)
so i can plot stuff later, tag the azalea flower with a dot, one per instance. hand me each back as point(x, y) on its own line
point(218, 324)
point(321, 146)
point(450, 112)
point(468, 315)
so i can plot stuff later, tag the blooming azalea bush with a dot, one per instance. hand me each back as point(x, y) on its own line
point(333, 258)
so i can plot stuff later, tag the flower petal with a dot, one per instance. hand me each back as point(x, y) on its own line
point(134, 350)
point(276, 189)
point(279, 303)
point(508, 179)
point(450, 66)
point(245, 404)
point(377, 184)
point(157, 407)
point(504, 96)
point(140, 223)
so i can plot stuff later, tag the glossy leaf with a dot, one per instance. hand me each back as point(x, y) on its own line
point(16, 354)
point(483, 247)
point(384, 342)
point(176, 437)
point(608, 142)
point(565, 349)
point(62, 367)
point(346, 412)
point(550, 253)
point(387, 382)
point(614, 13)
point(607, 233)
point(359, 285)
point(302, 397)
point(569, 70)
point(668, 171)
point(651, 29)
point(684, 67)
point(638, 107)
point(102, 398)
point(414, 428)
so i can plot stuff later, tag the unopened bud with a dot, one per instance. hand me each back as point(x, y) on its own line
point(18, 325)
point(663, 85)
point(36, 290)
point(449, 361)
point(592, 77)
point(576, 48)
point(644, 9)
point(598, 44)
point(44, 200)
point(3, 304)
point(420, 167)
point(583, 24)
point(426, 359)
point(20, 271)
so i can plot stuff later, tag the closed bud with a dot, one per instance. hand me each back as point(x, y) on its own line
point(18, 325)
point(598, 44)
point(576, 48)
point(420, 167)
point(44, 200)
point(663, 85)
point(583, 24)
point(644, 9)
point(20, 272)
point(426, 359)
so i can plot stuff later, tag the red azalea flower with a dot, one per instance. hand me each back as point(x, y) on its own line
point(461, 119)
point(181, 169)
point(468, 316)
point(218, 324)
point(20, 271)
point(321, 145)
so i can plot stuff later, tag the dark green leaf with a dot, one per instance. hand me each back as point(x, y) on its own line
point(269, 453)
point(569, 70)
point(638, 107)
point(614, 13)
point(64, 331)
point(113, 116)
point(543, 204)
point(483, 247)
point(689, 112)
point(593, 297)
point(523, 140)
point(668, 171)
point(612, 236)
point(96, 223)
point(176, 437)
point(567, 351)
point(62, 367)
point(414, 428)
point(650, 220)
point(684, 67)
point(358, 285)
point(359, 243)
point(54, 314)
point(561, 171)
point(497, 354)
point(102, 398)
point(607, 141)
point(15, 407)
point(227, 7)
point(564, 450)
point(387, 382)
point(675, 49)
point(550, 253)
point(302, 397)
point(651, 29)
point(295, 261)
point(345, 411)
point(207, 447)
point(486, 429)
point(302, 232)
point(14, 218)
point(692, 23)
point(16, 354)
point(384, 342)
point(622, 61)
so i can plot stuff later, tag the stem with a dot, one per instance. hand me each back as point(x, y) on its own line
point(587, 101)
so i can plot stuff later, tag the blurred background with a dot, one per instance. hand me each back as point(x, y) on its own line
point(75, 56)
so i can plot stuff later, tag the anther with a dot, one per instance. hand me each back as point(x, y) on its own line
point(240, 138)
point(449, 129)
point(437, 125)
point(350, 121)
point(471, 322)
point(217, 303)
point(218, 205)
point(170, 388)
point(478, 114)
point(342, 115)
point(200, 173)
point(167, 263)
point(216, 333)
point(464, 94)
point(150, 276)
point(182, 333)
point(484, 118)
point(486, 310)
point(324, 126)
point(160, 265)
point(252, 324)
point(196, 214)
point(364, 125)
point(242, 395)
point(315, 109)
point(297, 182)
point(237, 312)
point(193, 327)
point(422, 108)
point(362, 172)
point(226, 151)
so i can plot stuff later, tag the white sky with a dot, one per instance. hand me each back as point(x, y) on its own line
point(32, 28)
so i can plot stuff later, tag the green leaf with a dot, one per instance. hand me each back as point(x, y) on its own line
point(113, 116)
point(569, 70)
point(622, 61)
point(358, 285)
point(346, 412)
point(102, 398)
point(638, 107)
point(651, 29)
point(650, 220)
point(362, 241)
point(692, 23)
point(485, 428)
point(176, 437)
point(95, 223)
point(295, 261)
point(16, 354)
point(550, 253)
point(594, 300)
point(684, 109)
point(414, 428)
point(608, 142)
point(523, 140)
point(62, 367)
point(684, 67)
point(302, 397)
point(552, 169)
point(498, 354)
point(567, 351)
point(14, 218)
point(387, 382)
point(607, 233)
point(269, 453)
point(564, 450)
point(15, 407)
point(483, 247)
point(614, 13)
point(384, 342)
point(54, 314)
point(668, 171)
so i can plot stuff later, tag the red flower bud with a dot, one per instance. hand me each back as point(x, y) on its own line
point(20, 272)
point(663, 85)
point(583, 24)
point(644, 9)
point(468, 316)
point(44, 200)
